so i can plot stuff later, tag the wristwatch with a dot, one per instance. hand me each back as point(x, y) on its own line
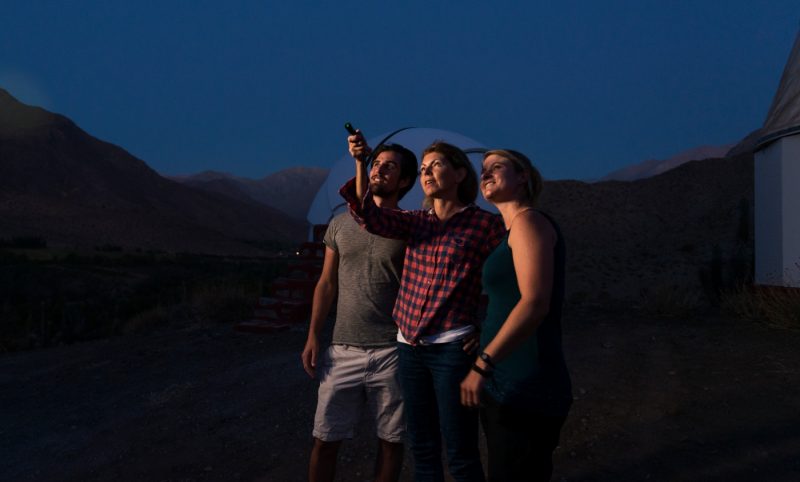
point(487, 359)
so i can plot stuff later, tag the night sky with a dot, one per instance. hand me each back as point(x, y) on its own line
point(253, 87)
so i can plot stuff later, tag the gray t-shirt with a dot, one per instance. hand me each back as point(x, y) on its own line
point(369, 276)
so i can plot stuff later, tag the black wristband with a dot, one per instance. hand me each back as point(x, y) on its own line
point(480, 371)
point(487, 359)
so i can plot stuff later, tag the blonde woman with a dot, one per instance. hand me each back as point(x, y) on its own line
point(520, 379)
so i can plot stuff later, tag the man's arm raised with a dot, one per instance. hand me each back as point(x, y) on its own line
point(360, 151)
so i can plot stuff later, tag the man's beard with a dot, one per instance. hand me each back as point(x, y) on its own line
point(381, 190)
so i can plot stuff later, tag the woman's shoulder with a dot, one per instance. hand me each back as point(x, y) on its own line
point(549, 217)
point(534, 223)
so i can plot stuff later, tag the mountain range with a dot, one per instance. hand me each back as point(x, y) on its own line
point(640, 239)
point(652, 167)
point(290, 190)
point(658, 236)
point(60, 183)
point(624, 238)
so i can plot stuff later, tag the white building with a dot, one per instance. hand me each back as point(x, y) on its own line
point(777, 184)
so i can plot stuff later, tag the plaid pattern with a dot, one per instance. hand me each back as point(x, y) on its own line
point(441, 284)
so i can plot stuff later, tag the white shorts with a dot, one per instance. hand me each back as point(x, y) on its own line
point(352, 378)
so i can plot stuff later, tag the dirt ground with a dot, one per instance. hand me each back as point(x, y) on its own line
point(703, 398)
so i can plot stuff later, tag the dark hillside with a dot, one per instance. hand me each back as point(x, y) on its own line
point(655, 234)
point(62, 184)
point(290, 190)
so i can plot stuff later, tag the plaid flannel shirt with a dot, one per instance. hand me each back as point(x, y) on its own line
point(441, 284)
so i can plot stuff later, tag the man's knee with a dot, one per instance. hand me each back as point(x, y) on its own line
point(326, 447)
point(390, 447)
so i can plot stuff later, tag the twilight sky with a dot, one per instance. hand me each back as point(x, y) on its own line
point(252, 87)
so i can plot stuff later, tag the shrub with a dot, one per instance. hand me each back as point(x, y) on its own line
point(24, 242)
point(146, 320)
point(109, 248)
point(776, 306)
point(226, 301)
point(669, 300)
point(75, 297)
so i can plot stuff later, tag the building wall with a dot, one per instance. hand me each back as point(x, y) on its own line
point(777, 213)
point(791, 210)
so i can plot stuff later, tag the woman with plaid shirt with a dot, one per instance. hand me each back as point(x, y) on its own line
point(437, 305)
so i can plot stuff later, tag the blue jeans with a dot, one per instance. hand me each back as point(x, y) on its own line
point(430, 377)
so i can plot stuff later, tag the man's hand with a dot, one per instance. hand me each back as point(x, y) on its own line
point(309, 356)
point(471, 389)
point(471, 342)
point(358, 146)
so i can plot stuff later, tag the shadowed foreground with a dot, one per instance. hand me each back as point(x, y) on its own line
point(701, 398)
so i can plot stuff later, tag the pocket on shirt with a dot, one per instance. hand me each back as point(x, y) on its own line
point(458, 263)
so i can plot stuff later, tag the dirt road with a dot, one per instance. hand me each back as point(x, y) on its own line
point(696, 399)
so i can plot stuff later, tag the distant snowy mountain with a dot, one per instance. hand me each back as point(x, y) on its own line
point(654, 167)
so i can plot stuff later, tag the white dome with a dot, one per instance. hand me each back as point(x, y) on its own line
point(328, 202)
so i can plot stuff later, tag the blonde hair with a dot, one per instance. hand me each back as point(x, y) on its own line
point(521, 163)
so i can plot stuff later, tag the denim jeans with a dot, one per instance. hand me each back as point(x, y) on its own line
point(430, 377)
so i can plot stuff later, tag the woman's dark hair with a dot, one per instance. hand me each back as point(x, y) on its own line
point(468, 187)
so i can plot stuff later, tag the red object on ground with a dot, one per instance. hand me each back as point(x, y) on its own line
point(290, 295)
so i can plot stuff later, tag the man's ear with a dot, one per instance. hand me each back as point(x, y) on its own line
point(404, 183)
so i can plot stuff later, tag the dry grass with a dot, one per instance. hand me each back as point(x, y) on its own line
point(775, 306)
point(155, 317)
point(669, 300)
point(222, 301)
point(225, 301)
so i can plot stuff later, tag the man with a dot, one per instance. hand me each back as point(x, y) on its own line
point(360, 367)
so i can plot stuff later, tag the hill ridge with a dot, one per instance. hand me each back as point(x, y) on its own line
point(63, 183)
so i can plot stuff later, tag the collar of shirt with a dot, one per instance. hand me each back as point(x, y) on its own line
point(432, 212)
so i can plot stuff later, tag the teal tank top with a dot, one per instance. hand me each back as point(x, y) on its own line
point(535, 374)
